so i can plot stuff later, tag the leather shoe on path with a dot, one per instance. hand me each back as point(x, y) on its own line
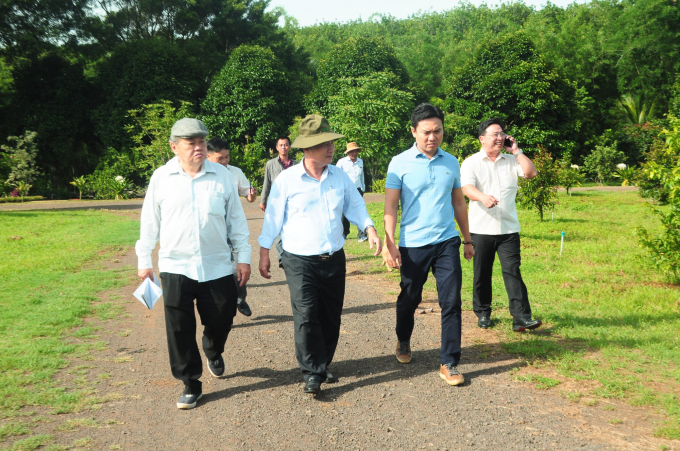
point(244, 308)
point(313, 385)
point(522, 324)
point(484, 321)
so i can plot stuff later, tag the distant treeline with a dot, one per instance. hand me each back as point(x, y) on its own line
point(99, 81)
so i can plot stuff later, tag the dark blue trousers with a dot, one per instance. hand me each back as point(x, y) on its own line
point(444, 259)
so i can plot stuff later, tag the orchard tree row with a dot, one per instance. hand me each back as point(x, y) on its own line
point(89, 90)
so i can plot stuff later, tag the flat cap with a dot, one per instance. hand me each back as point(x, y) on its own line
point(188, 128)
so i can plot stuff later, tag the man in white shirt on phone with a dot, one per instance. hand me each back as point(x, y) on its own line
point(489, 180)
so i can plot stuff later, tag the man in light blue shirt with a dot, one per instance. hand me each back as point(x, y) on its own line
point(193, 208)
point(426, 181)
point(305, 206)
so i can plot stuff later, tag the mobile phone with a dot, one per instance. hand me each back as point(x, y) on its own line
point(507, 142)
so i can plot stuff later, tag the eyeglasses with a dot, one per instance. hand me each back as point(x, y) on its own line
point(497, 135)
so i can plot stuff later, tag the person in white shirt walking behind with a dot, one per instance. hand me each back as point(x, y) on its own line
point(305, 206)
point(354, 167)
point(489, 180)
point(192, 207)
point(218, 152)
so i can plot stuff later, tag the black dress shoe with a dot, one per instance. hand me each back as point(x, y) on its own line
point(330, 379)
point(484, 321)
point(244, 308)
point(313, 385)
point(522, 324)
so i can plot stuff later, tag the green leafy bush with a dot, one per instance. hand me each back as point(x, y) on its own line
point(570, 175)
point(249, 101)
point(378, 186)
point(627, 174)
point(21, 157)
point(13, 200)
point(353, 59)
point(103, 180)
point(664, 246)
point(373, 112)
point(602, 161)
point(540, 193)
point(508, 78)
point(151, 133)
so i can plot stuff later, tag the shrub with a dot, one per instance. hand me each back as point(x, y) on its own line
point(151, 133)
point(12, 200)
point(540, 193)
point(570, 175)
point(22, 158)
point(372, 111)
point(627, 174)
point(378, 186)
point(664, 247)
point(602, 161)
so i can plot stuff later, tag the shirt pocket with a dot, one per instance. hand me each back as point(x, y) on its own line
point(213, 204)
point(336, 200)
point(508, 179)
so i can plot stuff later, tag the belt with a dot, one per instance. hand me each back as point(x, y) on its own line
point(325, 256)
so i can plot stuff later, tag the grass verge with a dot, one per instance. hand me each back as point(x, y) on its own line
point(47, 290)
point(609, 316)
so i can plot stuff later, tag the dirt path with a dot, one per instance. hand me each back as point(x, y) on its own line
point(377, 405)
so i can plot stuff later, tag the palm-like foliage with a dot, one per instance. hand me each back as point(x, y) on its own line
point(637, 108)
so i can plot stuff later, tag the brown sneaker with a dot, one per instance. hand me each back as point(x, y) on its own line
point(450, 374)
point(404, 352)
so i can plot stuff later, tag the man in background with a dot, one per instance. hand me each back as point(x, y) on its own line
point(354, 167)
point(274, 167)
point(218, 152)
point(489, 180)
point(192, 207)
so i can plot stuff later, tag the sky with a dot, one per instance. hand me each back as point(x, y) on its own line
point(309, 12)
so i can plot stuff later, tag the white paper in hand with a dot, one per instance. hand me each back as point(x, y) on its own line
point(148, 292)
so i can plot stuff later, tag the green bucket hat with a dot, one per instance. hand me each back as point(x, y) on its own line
point(314, 130)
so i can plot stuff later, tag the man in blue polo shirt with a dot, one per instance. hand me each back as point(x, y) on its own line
point(427, 182)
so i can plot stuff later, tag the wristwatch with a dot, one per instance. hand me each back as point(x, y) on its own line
point(468, 242)
point(518, 153)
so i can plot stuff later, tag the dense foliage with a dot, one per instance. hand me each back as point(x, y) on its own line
point(572, 79)
point(373, 111)
point(507, 78)
point(664, 246)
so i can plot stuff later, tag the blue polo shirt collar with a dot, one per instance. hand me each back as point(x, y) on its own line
point(417, 153)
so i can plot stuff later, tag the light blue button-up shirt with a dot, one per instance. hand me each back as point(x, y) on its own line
point(427, 215)
point(193, 217)
point(308, 212)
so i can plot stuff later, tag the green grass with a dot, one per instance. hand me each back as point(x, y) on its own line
point(609, 315)
point(50, 283)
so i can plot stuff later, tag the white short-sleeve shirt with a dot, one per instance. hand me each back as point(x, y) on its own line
point(498, 179)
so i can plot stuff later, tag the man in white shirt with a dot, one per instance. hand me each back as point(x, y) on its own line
point(354, 167)
point(305, 207)
point(489, 180)
point(218, 153)
point(192, 207)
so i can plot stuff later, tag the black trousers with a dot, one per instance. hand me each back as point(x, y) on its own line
point(508, 249)
point(216, 304)
point(317, 292)
point(345, 222)
point(444, 259)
